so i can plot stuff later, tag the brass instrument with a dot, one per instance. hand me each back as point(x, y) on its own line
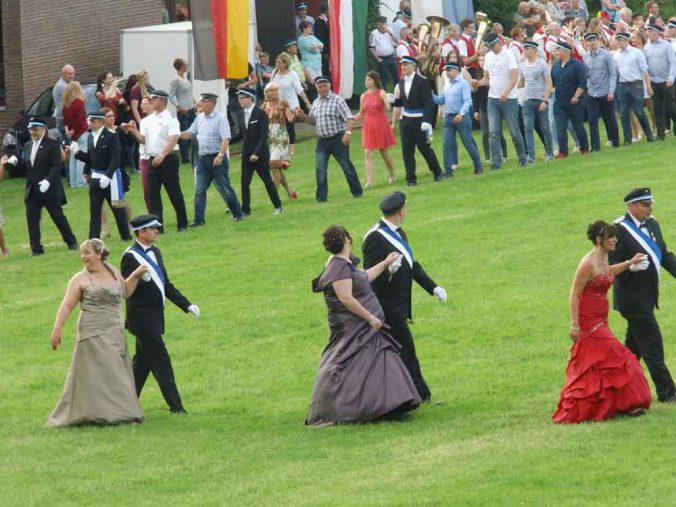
point(423, 31)
point(482, 23)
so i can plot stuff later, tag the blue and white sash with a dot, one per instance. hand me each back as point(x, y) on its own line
point(646, 243)
point(396, 240)
point(116, 186)
point(156, 273)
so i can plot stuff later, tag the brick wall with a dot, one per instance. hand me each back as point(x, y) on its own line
point(40, 37)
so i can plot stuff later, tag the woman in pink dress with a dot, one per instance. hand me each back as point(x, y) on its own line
point(603, 378)
point(376, 133)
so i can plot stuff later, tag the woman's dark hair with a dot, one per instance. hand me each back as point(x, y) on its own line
point(601, 229)
point(178, 63)
point(376, 78)
point(100, 79)
point(303, 25)
point(335, 237)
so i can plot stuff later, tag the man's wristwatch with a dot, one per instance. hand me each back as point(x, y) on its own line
point(348, 132)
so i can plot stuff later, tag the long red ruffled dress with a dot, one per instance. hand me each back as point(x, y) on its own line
point(376, 133)
point(603, 377)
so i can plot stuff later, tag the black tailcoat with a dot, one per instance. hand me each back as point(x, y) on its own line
point(254, 137)
point(637, 292)
point(105, 156)
point(145, 308)
point(419, 97)
point(47, 166)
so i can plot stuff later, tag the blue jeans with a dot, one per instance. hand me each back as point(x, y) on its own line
point(630, 96)
point(564, 112)
point(508, 111)
point(334, 146)
point(75, 167)
point(530, 111)
point(388, 64)
point(464, 128)
point(205, 173)
point(184, 121)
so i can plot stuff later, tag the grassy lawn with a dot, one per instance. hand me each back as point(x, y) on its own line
point(505, 245)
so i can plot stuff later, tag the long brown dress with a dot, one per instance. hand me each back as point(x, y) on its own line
point(361, 376)
point(99, 387)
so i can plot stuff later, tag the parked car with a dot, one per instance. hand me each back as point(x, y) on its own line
point(43, 107)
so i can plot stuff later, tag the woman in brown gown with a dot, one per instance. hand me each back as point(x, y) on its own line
point(361, 377)
point(99, 387)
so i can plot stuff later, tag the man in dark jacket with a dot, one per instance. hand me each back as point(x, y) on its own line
point(393, 287)
point(102, 170)
point(43, 186)
point(636, 290)
point(252, 130)
point(145, 310)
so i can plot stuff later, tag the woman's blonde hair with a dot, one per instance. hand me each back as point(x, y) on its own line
point(73, 91)
point(270, 86)
point(96, 246)
point(285, 58)
point(142, 82)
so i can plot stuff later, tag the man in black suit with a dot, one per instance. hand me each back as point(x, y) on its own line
point(43, 186)
point(414, 94)
point(145, 310)
point(102, 171)
point(393, 287)
point(252, 130)
point(636, 290)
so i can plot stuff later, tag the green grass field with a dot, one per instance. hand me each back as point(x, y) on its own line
point(505, 245)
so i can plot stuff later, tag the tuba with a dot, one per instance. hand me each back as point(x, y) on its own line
point(482, 23)
point(423, 32)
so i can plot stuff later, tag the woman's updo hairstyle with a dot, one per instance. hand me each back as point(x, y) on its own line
point(335, 237)
point(97, 246)
point(601, 229)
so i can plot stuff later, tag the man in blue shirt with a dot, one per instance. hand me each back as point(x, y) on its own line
point(457, 98)
point(601, 82)
point(661, 61)
point(570, 81)
point(212, 131)
point(633, 71)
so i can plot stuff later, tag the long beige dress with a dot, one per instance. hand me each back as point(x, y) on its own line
point(99, 386)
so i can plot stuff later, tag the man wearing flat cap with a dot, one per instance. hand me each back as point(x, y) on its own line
point(160, 134)
point(102, 170)
point(661, 61)
point(393, 286)
point(569, 77)
point(636, 290)
point(212, 131)
point(43, 186)
point(145, 310)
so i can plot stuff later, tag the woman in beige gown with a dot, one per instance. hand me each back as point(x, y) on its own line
point(99, 387)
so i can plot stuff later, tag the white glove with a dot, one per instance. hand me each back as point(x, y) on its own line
point(426, 127)
point(13, 160)
point(195, 311)
point(394, 267)
point(104, 181)
point(641, 266)
point(391, 98)
point(44, 186)
point(74, 147)
point(440, 294)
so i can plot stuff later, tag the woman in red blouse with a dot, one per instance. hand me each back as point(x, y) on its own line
point(77, 128)
point(109, 95)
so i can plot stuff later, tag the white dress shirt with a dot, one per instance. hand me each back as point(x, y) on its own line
point(96, 135)
point(157, 130)
point(247, 115)
point(34, 149)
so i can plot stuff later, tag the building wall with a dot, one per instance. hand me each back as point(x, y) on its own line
point(40, 37)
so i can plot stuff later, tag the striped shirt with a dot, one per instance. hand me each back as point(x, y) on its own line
point(533, 76)
point(330, 113)
point(210, 131)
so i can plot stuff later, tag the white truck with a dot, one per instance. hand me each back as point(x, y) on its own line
point(154, 49)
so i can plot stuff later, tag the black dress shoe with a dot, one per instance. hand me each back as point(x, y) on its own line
point(182, 229)
point(35, 253)
point(411, 184)
point(437, 179)
point(197, 224)
point(180, 411)
point(72, 247)
point(668, 399)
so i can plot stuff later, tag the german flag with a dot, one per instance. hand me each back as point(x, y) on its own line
point(220, 30)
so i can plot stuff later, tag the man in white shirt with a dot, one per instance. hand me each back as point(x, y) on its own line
point(501, 74)
point(160, 136)
point(381, 45)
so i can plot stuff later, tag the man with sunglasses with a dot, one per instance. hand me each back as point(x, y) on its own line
point(636, 290)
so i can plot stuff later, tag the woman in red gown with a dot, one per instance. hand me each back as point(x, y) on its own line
point(603, 378)
point(376, 132)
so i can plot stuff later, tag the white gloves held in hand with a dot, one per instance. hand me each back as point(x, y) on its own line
point(394, 267)
point(44, 186)
point(195, 311)
point(74, 147)
point(13, 160)
point(440, 294)
point(391, 98)
point(104, 181)
point(641, 266)
point(426, 127)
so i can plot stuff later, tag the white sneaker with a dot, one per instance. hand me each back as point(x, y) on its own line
point(278, 211)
